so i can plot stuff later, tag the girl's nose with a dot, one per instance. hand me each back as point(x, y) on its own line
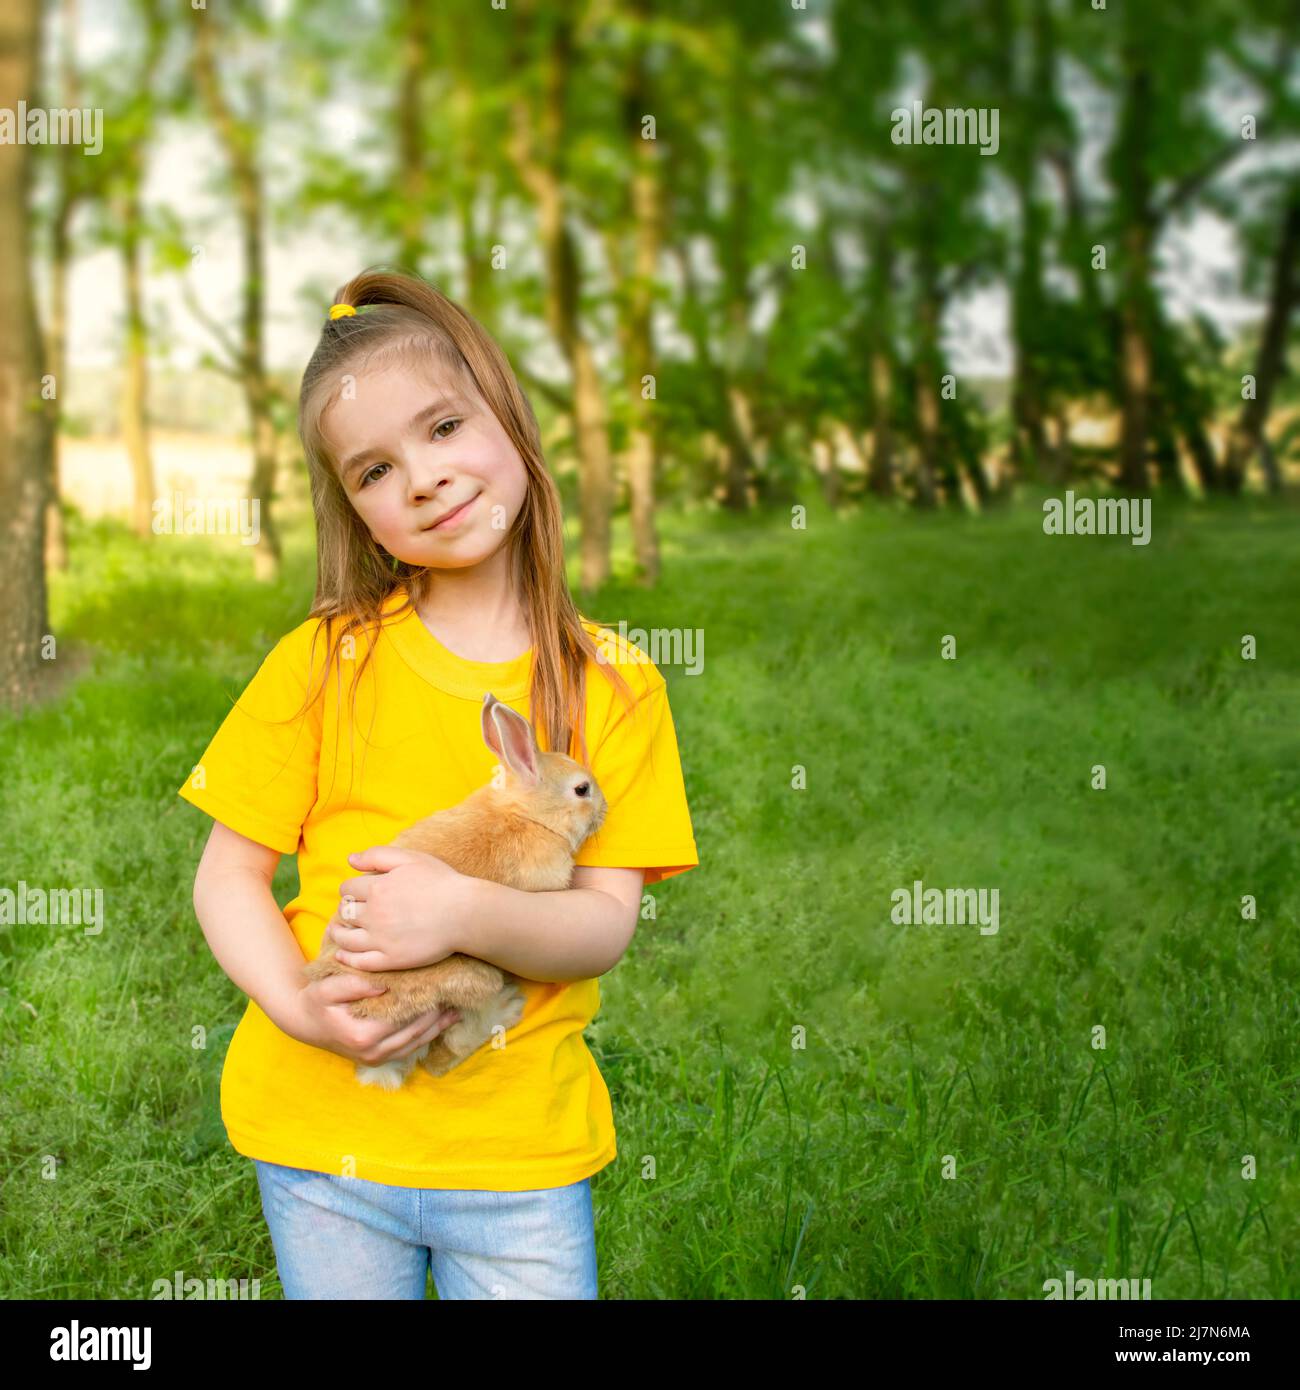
point(425, 478)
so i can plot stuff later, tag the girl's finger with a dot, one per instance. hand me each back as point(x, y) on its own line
point(349, 938)
point(349, 934)
point(428, 1032)
point(358, 887)
point(361, 960)
point(409, 1032)
point(341, 989)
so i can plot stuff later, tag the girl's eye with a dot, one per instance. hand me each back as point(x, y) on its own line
point(369, 475)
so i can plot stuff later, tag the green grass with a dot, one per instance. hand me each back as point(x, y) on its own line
point(774, 1166)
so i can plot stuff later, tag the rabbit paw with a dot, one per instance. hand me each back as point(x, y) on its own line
point(510, 1007)
point(441, 1058)
point(471, 1033)
point(390, 1075)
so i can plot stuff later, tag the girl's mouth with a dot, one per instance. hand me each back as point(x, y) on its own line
point(453, 517)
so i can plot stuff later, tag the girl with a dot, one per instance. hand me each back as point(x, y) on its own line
point(440, 578)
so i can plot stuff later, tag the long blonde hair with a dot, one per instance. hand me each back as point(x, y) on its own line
point(407, 319)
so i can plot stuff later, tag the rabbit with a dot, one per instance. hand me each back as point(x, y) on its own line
point(523, 833)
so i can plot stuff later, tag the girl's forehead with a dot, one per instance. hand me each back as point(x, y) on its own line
point(380, 383)
point(372, 386)
point(425, 377)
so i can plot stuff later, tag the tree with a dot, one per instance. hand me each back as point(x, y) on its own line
point(26, 432)
point(538, 146)
point(640, 221)
point(1248, 430)
point(239, 138)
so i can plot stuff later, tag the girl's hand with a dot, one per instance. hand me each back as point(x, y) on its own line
point(413, 910)
point(322, 1019)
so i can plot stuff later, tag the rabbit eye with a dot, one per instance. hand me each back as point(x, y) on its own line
point(582, 788)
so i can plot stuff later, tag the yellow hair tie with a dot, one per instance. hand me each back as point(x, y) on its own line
point(341, 311)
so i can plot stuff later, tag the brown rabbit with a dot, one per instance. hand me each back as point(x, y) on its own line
point(523, 833)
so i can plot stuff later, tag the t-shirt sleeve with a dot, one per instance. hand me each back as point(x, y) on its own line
point(259, 774)
point(648, 823)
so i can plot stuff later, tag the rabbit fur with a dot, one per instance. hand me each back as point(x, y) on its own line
point(522, 829)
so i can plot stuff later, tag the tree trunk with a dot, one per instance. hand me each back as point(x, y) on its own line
point(1268, 462)
point(735, 465)
point(828, 473)
point(1187, 408)
point(135, 383)
point(1161, 430)
point(1027, 316)
point(1135, 319)
point(636, 321)
point(927, 385)
point(1058, 456)
point(973, 467)
point(880, 473)
point(465, 177)
point(756, 443)
point(927, 444)
point(544, 176)
point(739, 467)
point(135, 377)
point(56, 544)
point(411, 152)
point(733, 252)
point(26, 434)
point(1248, 430)
point(239, 141)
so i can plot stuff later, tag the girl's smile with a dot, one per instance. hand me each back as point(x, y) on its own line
point(453, 518)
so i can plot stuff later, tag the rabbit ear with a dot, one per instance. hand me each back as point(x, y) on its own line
point(510, 737)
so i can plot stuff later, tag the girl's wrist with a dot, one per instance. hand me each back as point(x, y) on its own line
point(463, 909)
point(281, 1002)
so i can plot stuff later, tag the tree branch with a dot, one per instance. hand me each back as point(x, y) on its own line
point(237, 365)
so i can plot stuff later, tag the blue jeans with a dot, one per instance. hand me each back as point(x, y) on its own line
point(339, 1237)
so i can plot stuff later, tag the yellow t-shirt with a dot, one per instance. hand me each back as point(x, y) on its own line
point(535, 1113)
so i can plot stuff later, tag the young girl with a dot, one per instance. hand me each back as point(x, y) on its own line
point(440, 578)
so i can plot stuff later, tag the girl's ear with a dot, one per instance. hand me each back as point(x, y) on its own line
point(510, 737)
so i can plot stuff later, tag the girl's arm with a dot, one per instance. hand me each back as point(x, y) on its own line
point(254, 946)
point(575, 934)
point(244, 927)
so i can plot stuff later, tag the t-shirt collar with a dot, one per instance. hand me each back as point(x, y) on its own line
point(441, 667)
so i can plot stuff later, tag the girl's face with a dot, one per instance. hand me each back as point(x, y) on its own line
point(429, 469)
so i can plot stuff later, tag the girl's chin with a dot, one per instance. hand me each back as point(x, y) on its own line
point(451, 554)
